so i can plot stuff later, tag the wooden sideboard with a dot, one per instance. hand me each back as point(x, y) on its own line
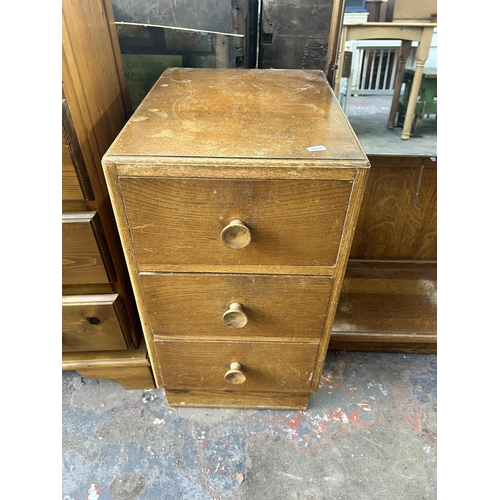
point(236, 194)
point(101, 331)
point(388, 301)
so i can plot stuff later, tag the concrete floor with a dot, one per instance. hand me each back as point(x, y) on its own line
point(368, 116)
point(369, 432)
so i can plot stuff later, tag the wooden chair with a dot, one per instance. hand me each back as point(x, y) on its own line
point(407, 33)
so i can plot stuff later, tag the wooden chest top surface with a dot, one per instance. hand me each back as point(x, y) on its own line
point(240, 113)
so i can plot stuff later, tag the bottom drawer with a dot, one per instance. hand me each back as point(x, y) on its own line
point(211, 365)
point(91, 323)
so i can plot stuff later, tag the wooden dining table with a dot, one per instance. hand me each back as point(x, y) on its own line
point(407, 33)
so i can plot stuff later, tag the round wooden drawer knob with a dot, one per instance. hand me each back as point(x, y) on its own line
point(234, 375)
point(236, 235)
point(235, 317)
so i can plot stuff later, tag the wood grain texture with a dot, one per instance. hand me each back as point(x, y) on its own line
point(334, 36)
point(187, 113)
point(82, 262)
point(398, 218)
point(131, 378)
point(187, 305)
point(367, 31)
point(353, 209)
point(95, 66)
point(94, 89)
point(92, 323)
point(90, 289)
point(244, 269)
point(268, 366)
point(373, 306)
point(123, 229)
point(94, 359)
point(300, 207)
point(233, 399)
point(74, 206)
point(387, 306)
point(71, 189)
point(130, 368)
point(214, 168)
point(291, 222)
point(75, 178)
point(384, 342)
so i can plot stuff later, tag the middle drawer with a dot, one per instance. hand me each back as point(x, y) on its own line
point(229, 305)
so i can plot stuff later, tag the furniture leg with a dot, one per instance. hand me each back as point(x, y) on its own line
point(403, 57)
point(421, 56)
point(412, 101)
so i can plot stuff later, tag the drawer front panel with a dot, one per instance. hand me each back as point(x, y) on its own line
point(82, 261)
point(92, 323)
point(179, 221)
point(272, 306)
point(266, 366)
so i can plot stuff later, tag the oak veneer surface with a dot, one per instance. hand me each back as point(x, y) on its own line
point(398, 217)
point(188, 114)
point(388, 301)
point(268, 366)
point(387, 306)
point(275, 306)
point(233, 399)
point(292, 222)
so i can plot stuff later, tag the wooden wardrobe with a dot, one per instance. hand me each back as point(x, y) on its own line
point(101, 332)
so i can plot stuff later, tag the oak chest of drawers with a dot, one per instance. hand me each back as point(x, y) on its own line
point(236, 194)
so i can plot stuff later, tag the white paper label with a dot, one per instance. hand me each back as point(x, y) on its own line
point(316, 148)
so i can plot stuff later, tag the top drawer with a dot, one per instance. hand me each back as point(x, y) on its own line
point(289, 222)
